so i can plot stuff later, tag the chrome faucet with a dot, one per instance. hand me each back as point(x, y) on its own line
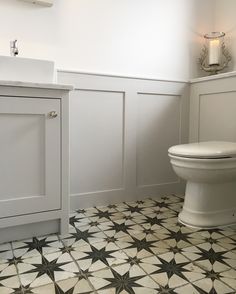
point(13, 48)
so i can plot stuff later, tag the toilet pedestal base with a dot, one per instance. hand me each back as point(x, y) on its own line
point(209, 205)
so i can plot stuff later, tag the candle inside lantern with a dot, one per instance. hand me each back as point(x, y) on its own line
point(214, 52)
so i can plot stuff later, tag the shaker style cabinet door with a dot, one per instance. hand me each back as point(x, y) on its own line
point(29, 155)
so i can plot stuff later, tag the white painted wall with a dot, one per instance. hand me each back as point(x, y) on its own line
point(126, 37)
point(202, 23)
point(225, 21)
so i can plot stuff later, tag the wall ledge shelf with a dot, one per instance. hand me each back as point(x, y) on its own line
point(213, 77)
point(120, 75)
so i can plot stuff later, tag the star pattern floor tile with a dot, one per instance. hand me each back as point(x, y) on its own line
point(36, 246)
point(130, 247)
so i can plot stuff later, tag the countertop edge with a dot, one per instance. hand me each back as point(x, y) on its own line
point(50, 86)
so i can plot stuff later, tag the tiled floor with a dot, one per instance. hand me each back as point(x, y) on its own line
point(136, 247)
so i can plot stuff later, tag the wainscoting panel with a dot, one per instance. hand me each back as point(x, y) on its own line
point(97, 141)
point(120, 131)
point(217, 117)
point(212, 109)
point(158, 128)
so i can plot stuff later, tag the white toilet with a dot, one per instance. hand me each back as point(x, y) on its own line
point(210, 171)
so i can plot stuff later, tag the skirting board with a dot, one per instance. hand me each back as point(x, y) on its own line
point(79, 201)
point(157, 191)
point(29, 230)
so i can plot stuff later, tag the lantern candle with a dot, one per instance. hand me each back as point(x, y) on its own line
point(214, 52)
point(215, 56)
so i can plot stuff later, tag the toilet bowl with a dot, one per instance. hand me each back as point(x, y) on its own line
point(210, 171)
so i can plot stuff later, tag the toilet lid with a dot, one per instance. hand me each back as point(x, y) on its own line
point(211, 149)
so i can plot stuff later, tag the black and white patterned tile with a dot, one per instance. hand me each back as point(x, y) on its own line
point(41, 270)
point(6, 253)
point(182, 236)
point(122, 279)
point(76, 219)
point(98, 256)
point(104, 214)
point(120, 228)
point(82, 235)
point(36, 246)
point(211, 257)
point(140, 246)
point(9, 279)
point(171, 270)
point(205, 286)
point(130, 247)
point(76, 285)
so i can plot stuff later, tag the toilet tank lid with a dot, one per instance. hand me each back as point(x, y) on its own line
point(210, 149)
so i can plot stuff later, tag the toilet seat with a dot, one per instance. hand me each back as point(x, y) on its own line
point(205, 150)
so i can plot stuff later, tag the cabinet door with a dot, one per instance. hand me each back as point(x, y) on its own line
point(29, 155)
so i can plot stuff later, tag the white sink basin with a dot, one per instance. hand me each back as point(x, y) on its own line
point(26, 70)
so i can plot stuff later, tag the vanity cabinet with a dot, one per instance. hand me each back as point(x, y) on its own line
point(34, 190)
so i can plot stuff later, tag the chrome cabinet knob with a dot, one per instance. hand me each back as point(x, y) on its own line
point(52, 114)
